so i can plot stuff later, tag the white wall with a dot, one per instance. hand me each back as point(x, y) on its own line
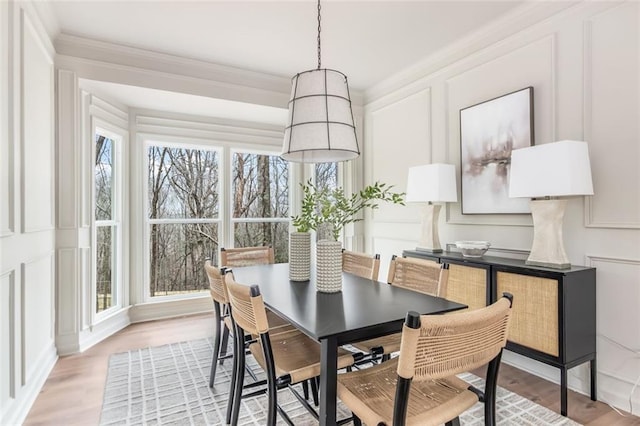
point(27, 209)
point(583, 63)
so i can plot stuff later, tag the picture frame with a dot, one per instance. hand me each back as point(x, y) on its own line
point(489, 131)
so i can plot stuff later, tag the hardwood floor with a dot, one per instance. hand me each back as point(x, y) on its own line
point(73, 392)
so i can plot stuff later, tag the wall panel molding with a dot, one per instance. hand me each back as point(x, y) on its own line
point(68, 179)
point(609, 37)
point(7, 111)
point(399, 125)
point(8, 327)
point(37, 310)
point(37, 130)
point(538, 57)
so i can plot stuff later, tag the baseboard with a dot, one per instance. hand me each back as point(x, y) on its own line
point(578, 377)
point(170, 308)
point(17, 411)
point(103, 329)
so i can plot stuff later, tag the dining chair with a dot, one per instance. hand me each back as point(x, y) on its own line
point(420, 386)
point(360, 264)
point(223, 323)
point(287, 358)
point(419, 275)
point(249, 256)
point(246, 256)
point(222, 320)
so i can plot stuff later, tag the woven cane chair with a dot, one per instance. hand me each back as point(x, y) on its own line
point(420, 386)
point(419, 275)
point(287, 358)
point(360, 264)
point(218, 290)
point(247, 256)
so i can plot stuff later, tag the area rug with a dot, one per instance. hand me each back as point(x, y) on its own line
point(169, 385)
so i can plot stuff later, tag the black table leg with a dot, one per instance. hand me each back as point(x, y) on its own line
point(594, 380)
point(328, 381)
point(563, 391)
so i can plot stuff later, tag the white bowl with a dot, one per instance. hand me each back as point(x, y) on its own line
point(473, 248)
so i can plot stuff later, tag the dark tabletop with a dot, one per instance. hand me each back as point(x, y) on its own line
point(363, 308)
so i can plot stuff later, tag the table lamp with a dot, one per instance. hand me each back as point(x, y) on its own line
point(431, 183)
point(558, 169)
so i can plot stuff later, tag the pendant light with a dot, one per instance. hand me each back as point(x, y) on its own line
point(320, 126)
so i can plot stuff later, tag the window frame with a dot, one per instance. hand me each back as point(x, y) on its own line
point(99, 127)
point(184, 143)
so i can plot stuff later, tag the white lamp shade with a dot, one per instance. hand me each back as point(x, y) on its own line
point(553, 169)
point(320, 126)
point(432, 182)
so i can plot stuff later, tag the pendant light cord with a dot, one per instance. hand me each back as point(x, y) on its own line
point(319, 35)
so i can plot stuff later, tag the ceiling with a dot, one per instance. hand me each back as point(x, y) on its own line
point(367, 40)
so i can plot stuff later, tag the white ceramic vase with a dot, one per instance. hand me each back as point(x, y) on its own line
point(329, 266)
point(299, 256)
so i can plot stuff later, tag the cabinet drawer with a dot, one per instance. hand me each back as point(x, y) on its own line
point(467, 285)
point(534, 316)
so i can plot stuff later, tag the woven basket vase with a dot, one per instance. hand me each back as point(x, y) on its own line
point(329, 266)
point(299, 256)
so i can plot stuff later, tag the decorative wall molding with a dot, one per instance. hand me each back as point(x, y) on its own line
point(37, 296)
point(610, 127)
point(543, 80)
point(100, 331)
point(505, 28)
point(224, 132)
point(37, 129)
point(109, 62)
point(8, 303)
point(7, 112)
point(67, 177)
point(170, 309)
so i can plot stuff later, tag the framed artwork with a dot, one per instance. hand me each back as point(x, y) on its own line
point(489, 131)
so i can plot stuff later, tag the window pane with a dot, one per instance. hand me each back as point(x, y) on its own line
point(260, 186)
point(183, 183)
point(104, 268)
point(103, 177)
point(177, 253)
point(263, 234)
point(326, 177)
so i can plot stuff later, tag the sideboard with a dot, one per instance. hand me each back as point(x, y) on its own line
point(554, 310)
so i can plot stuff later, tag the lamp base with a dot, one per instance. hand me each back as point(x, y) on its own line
point(547, 249)
point(429, 239)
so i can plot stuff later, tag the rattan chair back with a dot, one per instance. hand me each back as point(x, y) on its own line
point(247, 307)
point(217, 286)
point(360, 264)
point(247, 256)
point(421, 275)
point(445, 345)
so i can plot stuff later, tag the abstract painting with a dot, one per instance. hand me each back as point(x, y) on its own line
point(489, 131)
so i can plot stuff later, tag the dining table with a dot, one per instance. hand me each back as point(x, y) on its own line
point(362, 310)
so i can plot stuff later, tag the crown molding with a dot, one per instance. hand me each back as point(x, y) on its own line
point(268, 89)
point(518, 20)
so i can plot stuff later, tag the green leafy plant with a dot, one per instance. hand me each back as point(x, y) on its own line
point(334, 207)
point(307, 220)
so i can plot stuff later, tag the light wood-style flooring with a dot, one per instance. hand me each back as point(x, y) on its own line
point(73, 392)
